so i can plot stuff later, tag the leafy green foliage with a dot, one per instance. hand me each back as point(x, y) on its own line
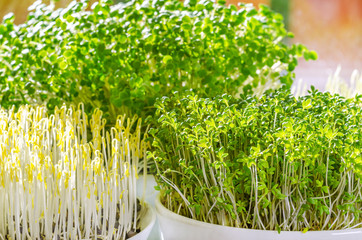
point(275, 162)
point(121, 58)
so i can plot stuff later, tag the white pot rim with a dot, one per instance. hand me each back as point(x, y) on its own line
point(163, 211)
point(146, 224)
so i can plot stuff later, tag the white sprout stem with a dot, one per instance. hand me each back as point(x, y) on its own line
point(54, 183)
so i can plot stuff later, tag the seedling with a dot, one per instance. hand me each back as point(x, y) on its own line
point(59, 180)
point(121, 58)
point(269, 163)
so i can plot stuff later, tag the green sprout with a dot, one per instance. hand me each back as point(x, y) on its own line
point(269, 163)
point(120, 58)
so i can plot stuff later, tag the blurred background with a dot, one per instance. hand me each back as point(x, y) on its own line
point(333, 28)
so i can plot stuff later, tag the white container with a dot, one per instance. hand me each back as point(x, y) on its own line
point(146, 224)
point(177, 227)
point(146, 191)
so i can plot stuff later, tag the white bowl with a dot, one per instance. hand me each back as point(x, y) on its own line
point(177, 227)
point(146, 224)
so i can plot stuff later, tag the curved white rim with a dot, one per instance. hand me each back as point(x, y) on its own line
point(149, 224)
point(163, 211)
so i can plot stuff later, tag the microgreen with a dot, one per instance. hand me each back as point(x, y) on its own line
point(57, 184)
point(120, 58)
point(271, 163)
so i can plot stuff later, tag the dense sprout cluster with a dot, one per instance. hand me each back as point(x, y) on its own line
point(275, 162)
point(222, 156)
point(59, 180)
point(120, 58)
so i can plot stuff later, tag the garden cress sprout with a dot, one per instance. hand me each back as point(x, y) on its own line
point(268, 163)
point(120, 58)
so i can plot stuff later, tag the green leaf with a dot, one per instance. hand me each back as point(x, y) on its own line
point(200, 7)
point(307, 104)
point(311, 200)
point(313, 55)
point(3, 29)
point(252, 13)
point(53, 58)
point(167, 59)
point(70, 19)
point(63, 65)
point(68, 54)
point(197, 209)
